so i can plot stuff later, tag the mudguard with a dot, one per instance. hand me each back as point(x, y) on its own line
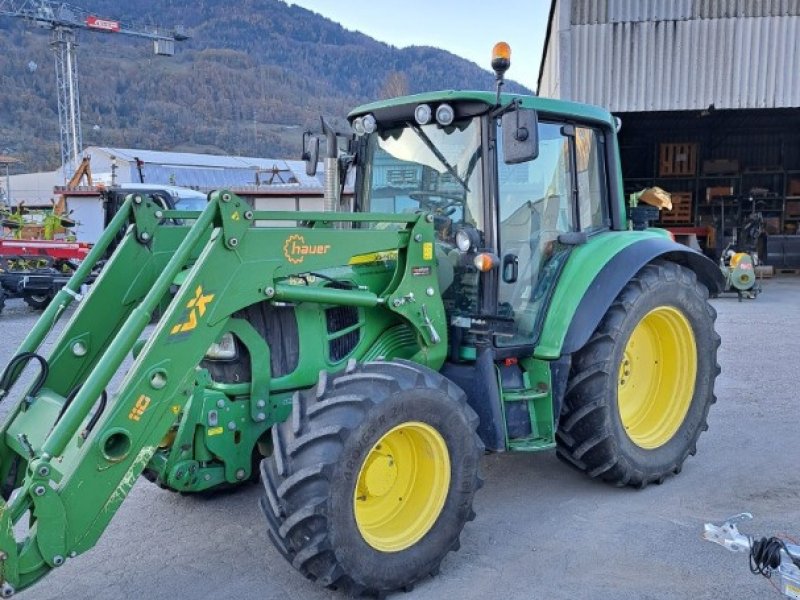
point(616, 273)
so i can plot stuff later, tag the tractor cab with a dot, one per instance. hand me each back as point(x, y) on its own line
point(513, 185)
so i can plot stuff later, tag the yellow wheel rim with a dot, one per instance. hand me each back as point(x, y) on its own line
point(657, 377)
point(402, 486)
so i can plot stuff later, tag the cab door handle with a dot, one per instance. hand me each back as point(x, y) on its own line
point(510, 268)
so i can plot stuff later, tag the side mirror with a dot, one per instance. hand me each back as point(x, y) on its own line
point(310, 153)
point(520, 135)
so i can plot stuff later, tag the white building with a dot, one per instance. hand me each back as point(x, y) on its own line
point(204, 172)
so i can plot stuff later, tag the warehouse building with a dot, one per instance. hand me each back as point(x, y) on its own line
point(265, 183)
point(708, 92)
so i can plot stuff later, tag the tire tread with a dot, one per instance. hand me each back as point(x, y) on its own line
point(296, 480)
point(584, 440)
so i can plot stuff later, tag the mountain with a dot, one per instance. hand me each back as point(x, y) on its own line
point(252, 77)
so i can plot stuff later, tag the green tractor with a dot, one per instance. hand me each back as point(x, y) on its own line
point(484, 292)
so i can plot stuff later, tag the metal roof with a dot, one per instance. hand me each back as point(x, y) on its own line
point(652, 55)
point(592, 12)
point(209, 171)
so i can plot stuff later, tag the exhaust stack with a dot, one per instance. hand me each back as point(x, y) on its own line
point(331, 199)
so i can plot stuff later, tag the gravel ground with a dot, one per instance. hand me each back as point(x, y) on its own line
point(543, 530)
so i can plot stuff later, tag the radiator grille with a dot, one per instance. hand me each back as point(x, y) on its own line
point(340, 319)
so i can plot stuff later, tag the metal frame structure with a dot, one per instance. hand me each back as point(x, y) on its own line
point(69, 104)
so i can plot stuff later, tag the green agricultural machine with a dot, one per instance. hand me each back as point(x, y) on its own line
point(482, 290)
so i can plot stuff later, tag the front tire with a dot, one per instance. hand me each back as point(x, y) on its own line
point(372, 478)
point(641, 388)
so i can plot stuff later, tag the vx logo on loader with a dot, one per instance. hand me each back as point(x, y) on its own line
point(196, 305)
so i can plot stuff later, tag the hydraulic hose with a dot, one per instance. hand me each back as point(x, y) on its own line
point(95, 416)
point(15, 365)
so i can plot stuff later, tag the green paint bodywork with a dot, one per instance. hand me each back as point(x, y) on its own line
point(537, 395)
point(585, 261)
point(581, 269)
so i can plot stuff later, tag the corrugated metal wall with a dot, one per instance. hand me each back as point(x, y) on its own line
point(651, 55)
point(590, 12)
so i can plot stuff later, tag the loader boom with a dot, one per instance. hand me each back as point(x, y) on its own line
point(73, 456)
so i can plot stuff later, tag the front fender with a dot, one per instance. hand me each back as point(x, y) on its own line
point(595, 274)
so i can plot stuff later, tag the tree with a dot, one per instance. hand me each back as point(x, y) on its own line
point(395, 84)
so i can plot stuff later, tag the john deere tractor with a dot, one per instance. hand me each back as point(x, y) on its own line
point(481, 291)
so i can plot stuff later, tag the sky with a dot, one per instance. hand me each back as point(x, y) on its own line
point(467, 28)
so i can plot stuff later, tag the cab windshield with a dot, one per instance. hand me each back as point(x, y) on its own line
point(430, 168)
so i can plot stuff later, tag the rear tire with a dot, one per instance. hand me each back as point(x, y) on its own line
point(336, 481)
point(633, 411)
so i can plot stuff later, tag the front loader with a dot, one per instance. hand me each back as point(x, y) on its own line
point(486, 293)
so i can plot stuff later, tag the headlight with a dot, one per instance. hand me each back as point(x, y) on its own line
point(358, 126)
point(467, 239)
point(422, 114)
point(445, 115)
point(223, 349)
point(369, 124)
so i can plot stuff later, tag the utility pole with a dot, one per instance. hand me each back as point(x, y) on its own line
point(63, 19)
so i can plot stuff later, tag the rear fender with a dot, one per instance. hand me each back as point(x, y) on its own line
point(612, 264)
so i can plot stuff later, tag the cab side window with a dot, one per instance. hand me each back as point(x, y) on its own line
point(592, 179)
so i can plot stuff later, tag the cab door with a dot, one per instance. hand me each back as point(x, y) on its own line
point(562, 191)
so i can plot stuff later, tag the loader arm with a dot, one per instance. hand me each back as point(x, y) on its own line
point(70, 456)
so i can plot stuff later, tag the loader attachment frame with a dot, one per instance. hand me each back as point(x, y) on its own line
point(70, 451)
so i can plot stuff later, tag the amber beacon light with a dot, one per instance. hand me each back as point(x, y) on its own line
point(501, 58)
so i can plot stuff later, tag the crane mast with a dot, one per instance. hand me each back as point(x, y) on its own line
point(69, 106)
point(63, 19)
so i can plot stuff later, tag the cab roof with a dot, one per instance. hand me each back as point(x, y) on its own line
point(561, 108)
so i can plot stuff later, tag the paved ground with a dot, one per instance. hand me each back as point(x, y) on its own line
point(543, 530)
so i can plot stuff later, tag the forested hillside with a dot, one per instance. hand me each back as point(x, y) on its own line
point(252, 76)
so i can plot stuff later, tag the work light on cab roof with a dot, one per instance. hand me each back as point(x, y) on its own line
point(422, 114)
point(445, 115)
point(364, 125)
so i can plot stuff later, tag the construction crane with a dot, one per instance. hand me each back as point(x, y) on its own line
point(63, 20)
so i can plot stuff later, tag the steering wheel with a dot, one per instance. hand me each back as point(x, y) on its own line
point(448, 200)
